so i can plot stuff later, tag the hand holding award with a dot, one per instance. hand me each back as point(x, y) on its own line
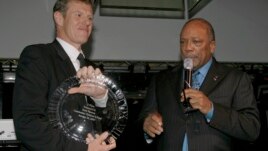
point(88, 103)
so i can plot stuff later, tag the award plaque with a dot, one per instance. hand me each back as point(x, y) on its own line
point(76, 115)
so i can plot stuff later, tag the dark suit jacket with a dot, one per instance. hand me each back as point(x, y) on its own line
point(235, 112)
point(41, 69)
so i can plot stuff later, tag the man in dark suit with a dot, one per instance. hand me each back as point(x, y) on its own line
point(42, 68)
point(224, 103)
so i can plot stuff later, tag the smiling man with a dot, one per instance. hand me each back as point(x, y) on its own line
point(42, 68)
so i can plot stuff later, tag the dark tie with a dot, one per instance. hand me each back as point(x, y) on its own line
point(81, 60)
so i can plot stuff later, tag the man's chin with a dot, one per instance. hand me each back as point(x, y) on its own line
point(191, 57)
point(83, 40)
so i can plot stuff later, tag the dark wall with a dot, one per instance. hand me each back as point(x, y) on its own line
point(134, 81)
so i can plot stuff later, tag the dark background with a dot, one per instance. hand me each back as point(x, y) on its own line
point(133, 78)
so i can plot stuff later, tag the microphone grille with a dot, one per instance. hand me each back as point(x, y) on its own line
point(188, 63)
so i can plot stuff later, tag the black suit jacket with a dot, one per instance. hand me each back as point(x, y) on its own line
point(41, 69)
point(235, 112)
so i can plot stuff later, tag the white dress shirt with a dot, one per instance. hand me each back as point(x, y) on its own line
point(73, 53)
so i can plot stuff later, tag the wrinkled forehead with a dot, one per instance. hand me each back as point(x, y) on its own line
point(195, 29)
point(78, 3)
point(78, 6)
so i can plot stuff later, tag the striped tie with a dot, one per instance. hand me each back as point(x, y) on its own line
point(196, 80)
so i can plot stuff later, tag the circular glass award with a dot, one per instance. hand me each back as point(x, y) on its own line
point(76, 115)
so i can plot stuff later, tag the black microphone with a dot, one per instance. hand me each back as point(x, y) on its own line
point(188, 71)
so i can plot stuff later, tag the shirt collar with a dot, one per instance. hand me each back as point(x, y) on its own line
point(71, 51)
point(204, 69)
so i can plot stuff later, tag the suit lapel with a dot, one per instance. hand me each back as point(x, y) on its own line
point(215, 74)
point(66, 64)
point(176, 85)
point(174, 81)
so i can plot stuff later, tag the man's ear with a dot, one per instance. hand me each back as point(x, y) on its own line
point(212, 46)
point(58, 17)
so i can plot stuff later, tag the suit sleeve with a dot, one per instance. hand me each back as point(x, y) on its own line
point(150, 103)
point(241, 118)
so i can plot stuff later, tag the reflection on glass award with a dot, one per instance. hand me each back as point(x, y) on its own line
point(76, 115)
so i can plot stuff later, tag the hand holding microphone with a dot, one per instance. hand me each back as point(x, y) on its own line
point(188, 71)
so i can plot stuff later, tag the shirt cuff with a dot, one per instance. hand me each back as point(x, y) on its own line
point(148, 139)
point(102, 101)
point(210, 114)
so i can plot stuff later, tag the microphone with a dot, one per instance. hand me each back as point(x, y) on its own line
point(188, 71)
point(188, 67)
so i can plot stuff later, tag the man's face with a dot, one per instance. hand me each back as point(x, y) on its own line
point(196, 43)
point(76, 25)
